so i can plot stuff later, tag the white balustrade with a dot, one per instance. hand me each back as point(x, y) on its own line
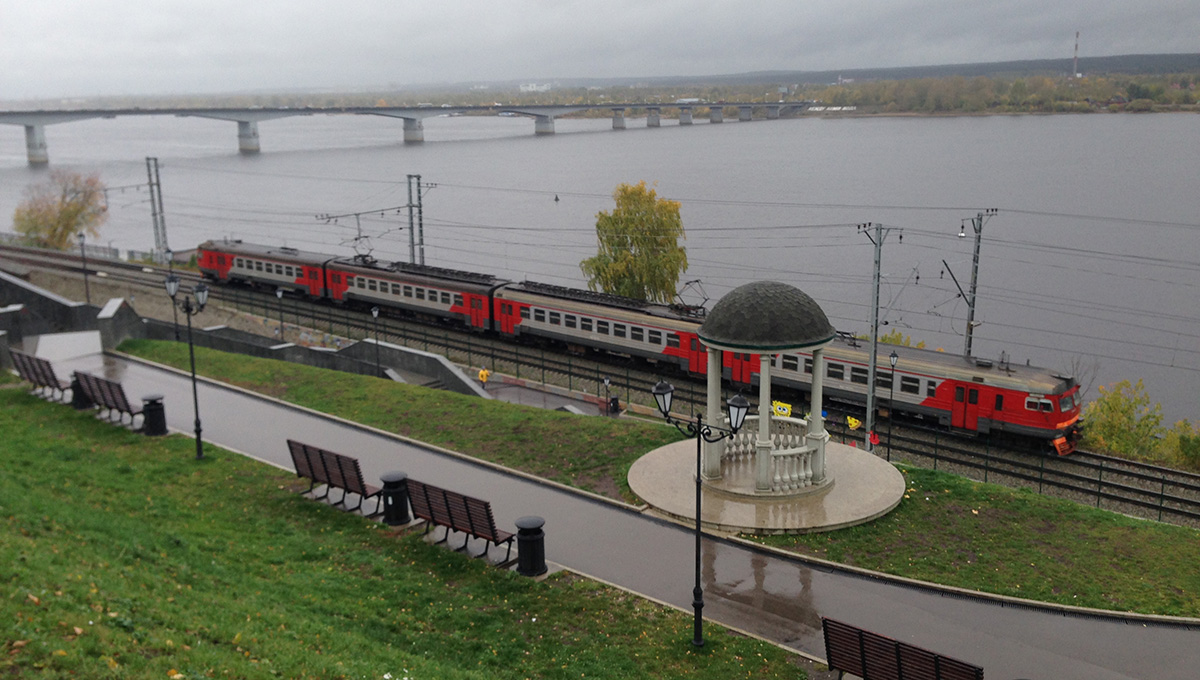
point(791, 458)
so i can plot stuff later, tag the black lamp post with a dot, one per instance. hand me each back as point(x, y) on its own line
point(375, 314)
point(607, 399)
point(87, 291)
point(279, 295)
point(738, 407)
point(171, 274)
point(893, 357)
point(190, 310)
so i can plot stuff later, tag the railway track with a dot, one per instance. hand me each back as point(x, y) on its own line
point(1116, 484)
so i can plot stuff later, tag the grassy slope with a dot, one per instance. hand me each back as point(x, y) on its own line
point(126, 558)
point(948, 530)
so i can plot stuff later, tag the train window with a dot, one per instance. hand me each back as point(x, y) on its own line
point(585, 324)
point(835, 371)
point(655, 337)
point(972, 396)
point(371, 284)
point(569, 320)
point(602, 327)
point(394, 288)
point(635, 334)
point(279, 269)
point(1066, 403)
point(672, 340)
point(539, 315)
point(695, 345)
point(420, 293)
point(859, 375)
point(999, 402)
point(445, 298)
point(258, 266)
point(524, 312)
point(458, 301)
point(910, 385)
point(790, 362)
point(287, 271)
point(619, 330)
point(237, 262)
point(555, 318)
point(360, 282)
point(931, 389)
point(408, 291)
point(808, 365)
point(1036, 404)
point(883, 382)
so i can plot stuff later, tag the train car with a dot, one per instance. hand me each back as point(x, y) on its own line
point(970, 395)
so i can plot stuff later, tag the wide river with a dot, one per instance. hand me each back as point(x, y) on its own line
point(1091, 266)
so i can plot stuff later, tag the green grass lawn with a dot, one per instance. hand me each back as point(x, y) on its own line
point(588, 453)
point(947, 530)
point(126, 558)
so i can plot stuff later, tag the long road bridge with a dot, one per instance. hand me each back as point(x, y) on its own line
point(247, 119)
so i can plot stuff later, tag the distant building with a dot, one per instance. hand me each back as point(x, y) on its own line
point(535, 87)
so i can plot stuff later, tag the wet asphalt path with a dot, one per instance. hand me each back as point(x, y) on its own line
point(774, 597)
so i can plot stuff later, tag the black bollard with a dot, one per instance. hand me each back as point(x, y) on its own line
point(395, 499)
point(531, 546)
point(79, 400)
point(154, 415)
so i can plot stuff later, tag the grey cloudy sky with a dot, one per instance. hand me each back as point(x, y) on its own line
point(57, 48)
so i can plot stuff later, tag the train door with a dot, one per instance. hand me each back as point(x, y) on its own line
point(964, 412)
point(741, 366)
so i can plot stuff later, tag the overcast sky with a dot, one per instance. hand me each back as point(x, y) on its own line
point(61, 48)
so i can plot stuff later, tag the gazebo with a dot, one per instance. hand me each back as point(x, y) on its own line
point(766, 318)
point(777, 474)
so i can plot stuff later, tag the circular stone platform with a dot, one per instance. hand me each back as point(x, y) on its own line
point(865, 487)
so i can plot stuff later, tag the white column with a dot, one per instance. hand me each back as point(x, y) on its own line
point(762, 447)
point(817, 436)
point(414, 130)
point(710, 468)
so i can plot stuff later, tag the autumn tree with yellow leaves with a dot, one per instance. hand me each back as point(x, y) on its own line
point(55, 211)
point(639, 254)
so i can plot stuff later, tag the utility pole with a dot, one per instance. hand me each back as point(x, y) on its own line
point(976, 226)
point(156, 211)
point(412, 234)
point(880, 233)
point(416, 238)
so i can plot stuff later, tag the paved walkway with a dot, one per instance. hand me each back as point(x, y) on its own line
point(778, 598)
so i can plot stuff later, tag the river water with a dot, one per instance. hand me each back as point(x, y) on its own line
point(1091, 266)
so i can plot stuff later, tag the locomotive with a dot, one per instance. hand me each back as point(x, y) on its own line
point(959, 393)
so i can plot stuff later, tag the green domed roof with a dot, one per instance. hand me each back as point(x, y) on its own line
point(766, 316)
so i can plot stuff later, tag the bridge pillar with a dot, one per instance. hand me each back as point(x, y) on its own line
point(716, 114)
point(543, 125)
point(414, 130)
point(248, 136)
point(773, 113)
point(745, 113)
point(652, 118)
point(35, 145)
point(618, 119)
point(685, 116)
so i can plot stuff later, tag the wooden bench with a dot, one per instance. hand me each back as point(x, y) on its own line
point(872, 656)
point(40, 373)
point(335, 471)
point(108, 395)
point(457, 512)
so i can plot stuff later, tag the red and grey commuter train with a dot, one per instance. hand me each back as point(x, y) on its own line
point(974, 395)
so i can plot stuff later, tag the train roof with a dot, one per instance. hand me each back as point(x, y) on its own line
point(239, 247)
point(367, 264)
point(954, 366)
point(609, 300)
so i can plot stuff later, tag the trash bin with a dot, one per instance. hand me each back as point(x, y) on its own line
point(614, 406)
point(79, 398)
point(531, 546)
point(154, 415)
point(395, 498)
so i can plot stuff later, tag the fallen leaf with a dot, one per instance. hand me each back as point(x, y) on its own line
point(78, 630)
point(33, 598)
